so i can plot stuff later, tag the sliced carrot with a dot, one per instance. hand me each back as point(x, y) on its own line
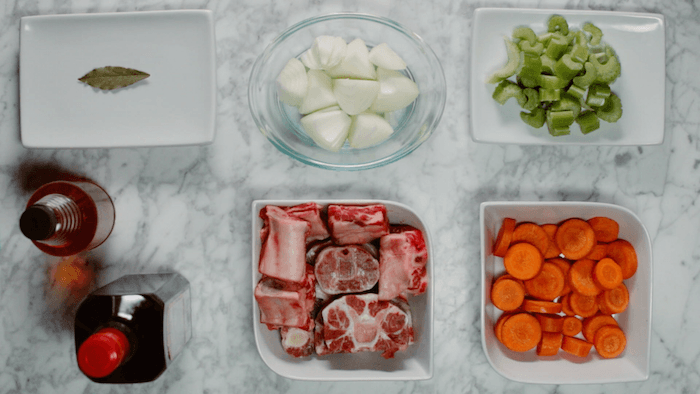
point(547, 284)
point(553, 250)
point(571, 326)
point(600, 250)
point(606, 229)
point(549, 344)
point(580, 278)
point(523, 261)
point(614, 301)
point(498, 327)
point(549, 322)
point(564, 265)
point(508, 276)
point(575, 238)
point(584, 306)
point(607, 274)
point(507, 294)
point(521, 332)
point(610, 341)
point(593, 323)
point(504, 237)
point(532, 234)
point(624, 255)
point(538, 306)
point(566, 305)
point(575, 346)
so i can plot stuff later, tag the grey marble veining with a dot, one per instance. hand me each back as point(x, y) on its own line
point(188, 208)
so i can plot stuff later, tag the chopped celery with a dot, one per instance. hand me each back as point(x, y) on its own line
point(547, 64)
point(581, 38)
point(535, 118)
point(552, 82)
point(588, 121)
point(576, 91)
point(596, 33)
point(549, 95)
point(559, 119)
point(507, 89)
point(545, 37)
point(611, 111)
point(511, 66)
point(525, 33)
point(558, 23)
point(532, 66)
point(556, 46)
point(586, 79)
point(533, 99)
point(527, 81)
point(599, 89)
point(579, 53)
point(526, 47)
point(567, 102)
point(608, 71)
point(566, 68)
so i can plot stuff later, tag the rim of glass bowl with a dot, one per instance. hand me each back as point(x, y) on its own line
point(405, 150)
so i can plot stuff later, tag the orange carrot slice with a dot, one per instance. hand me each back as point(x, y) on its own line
point(564, 266)
point(571, 326)
point(498, 327)
point(549, 322)
point(521, 332)
point(614, 301)
point(566, 305)
point(523, 261)
point(504, 237)
point(532, 234)
point(624, 255)
point(610, 341)
point(607, 274)
point(599, 251)
point(538, 306)
point(507, 294)
point(584, 306)
point(575, 346)
point(549, 344)
point(547, 284)
point(605, 229)
point(581, 278)
point(553, 250)
point(575, 238)
point(593, 323)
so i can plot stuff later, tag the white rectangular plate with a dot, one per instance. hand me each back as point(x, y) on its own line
point(415, 363)
point(633, 364)
point(176, 105)
point(637, 38)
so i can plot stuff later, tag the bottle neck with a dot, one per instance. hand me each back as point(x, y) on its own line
point(51, 220)
point(103, 352)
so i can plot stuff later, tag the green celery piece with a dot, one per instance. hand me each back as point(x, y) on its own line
point(567, 102)
point(525, 33)
point(594, 101)
point(579, 53)
point(586, 79)
point(507, 89)
point(559, 119)
point(552, 82)
point(532, 65)
point(588, 122)
point(557, 46)
point(596, 33)
point(608, 71)
point(535, 118)
point(526, 47)
point(549, 95)
point(566, 68)
point(527, 81)
point(581, 38)
point(611, 111)
point(547, 64)
point(599, 89)
point(557, 23)
point(545, 37)
point(576, 91)
point(555, 130)
point(511, 66)
point(533, 99)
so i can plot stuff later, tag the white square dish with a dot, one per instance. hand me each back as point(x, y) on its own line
point(637, 38)
point(176, 105)
point(415, 363)
point(633, 364)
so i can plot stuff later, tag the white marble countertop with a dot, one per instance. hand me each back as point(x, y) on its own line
point(188, 208)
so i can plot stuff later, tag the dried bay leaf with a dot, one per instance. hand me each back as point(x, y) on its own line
point(110, 77)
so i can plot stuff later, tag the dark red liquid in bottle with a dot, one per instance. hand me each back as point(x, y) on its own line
point(130, 330)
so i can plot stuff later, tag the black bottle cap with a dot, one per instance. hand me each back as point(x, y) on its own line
point(38, 222)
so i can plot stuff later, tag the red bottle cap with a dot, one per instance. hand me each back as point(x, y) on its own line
point(102, 352)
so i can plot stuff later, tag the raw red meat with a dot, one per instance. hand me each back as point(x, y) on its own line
point(283, 252)
point(402, 259)
point(297, 342)
point(346, 269)
point(357, 224)
point(311, 212)
point(285, 304)
point(356, 323)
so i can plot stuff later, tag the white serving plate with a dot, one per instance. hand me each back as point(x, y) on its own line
point(415, 363)
point(176, 105)
point(637, 38)
point(633, 364)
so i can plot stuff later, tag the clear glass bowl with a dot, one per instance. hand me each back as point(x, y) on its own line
point(412, 125)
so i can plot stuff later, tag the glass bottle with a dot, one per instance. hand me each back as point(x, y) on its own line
point(130, 330)
point(65, 218)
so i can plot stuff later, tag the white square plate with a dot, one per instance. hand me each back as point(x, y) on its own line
point(637, 38)
point(633, 363)
point(176, 105)
point(415, 363)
